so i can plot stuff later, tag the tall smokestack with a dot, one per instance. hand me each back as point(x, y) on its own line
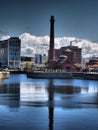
point(51, 49)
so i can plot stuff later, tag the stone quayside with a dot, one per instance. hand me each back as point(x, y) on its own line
point(63, 75)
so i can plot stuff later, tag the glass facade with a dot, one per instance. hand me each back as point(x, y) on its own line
point(10, 52)
point(14, 50)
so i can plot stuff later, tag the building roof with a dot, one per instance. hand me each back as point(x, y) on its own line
point(70, 47)
point(68, 50)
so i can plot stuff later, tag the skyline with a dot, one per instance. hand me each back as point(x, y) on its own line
point(73, 18)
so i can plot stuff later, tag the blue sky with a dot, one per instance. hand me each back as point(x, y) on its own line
point(73, 18)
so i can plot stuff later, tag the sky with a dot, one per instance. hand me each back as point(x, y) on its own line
point(73, 18)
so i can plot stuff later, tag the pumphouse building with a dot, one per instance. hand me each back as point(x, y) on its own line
point(67, 57)
point(64, 58)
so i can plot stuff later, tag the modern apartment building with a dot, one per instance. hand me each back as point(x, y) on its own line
point(10, 51)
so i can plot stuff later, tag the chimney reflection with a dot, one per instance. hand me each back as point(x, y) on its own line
point(51, 104)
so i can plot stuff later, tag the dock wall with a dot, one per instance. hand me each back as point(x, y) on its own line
point(90, 76)
point(63, 75)
point(50, 75)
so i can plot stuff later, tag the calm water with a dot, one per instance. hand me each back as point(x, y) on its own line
point(43, 104)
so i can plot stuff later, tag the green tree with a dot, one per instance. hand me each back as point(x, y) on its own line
point(28, 65)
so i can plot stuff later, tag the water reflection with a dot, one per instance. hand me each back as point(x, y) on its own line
point(40, 94)
point(49, 95)
point(33, 92)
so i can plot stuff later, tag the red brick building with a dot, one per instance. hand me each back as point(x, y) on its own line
point(67, 57)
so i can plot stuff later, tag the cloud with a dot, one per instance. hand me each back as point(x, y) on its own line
point(41, 44)
point(31, 44)
point(5, 37)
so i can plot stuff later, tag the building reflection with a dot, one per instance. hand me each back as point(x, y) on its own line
point(39, 94)
point(10, 95)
